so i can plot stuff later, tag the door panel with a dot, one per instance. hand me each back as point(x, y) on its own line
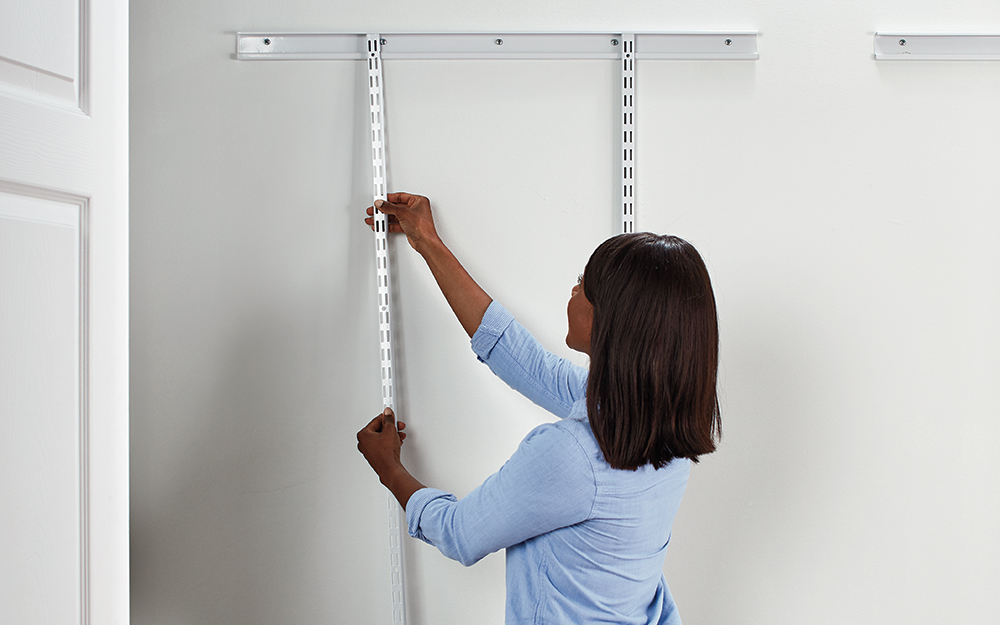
point(41, 482)
point(63, 311)
point(40, 48)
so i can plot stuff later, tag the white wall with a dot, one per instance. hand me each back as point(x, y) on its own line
point(847, 210)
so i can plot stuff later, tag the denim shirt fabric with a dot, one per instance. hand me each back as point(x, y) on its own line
point(585, 542)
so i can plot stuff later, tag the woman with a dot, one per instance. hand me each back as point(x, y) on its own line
point(585, 505)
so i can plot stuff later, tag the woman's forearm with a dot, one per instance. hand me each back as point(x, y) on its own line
point(401, 484)
point(467, 299)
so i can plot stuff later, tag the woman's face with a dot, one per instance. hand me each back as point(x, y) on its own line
point(580, 315)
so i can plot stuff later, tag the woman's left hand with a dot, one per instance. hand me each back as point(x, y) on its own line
point(380, 442)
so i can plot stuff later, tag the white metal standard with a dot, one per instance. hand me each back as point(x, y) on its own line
point(376, 101)
point(917, 47)
point(737, 45)
point(628, 91)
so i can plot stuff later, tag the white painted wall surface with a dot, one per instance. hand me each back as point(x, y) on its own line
point(847, 210)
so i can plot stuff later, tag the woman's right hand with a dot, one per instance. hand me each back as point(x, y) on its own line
point(409, 214)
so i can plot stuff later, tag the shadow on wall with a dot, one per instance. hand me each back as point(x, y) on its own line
point(240, 532)
point(259, 456)
point(231, 524)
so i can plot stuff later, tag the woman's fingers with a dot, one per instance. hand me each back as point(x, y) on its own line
point(393, 223)
point(378, 427)
point(391, 218)
point(389, 208)
point(374, 426)
point(379, 442)
point(403, 197)
point(407, 213)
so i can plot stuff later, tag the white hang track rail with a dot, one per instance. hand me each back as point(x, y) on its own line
point(731, 46)
point(925, 47)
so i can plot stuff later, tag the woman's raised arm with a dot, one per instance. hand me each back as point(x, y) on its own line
point(411, 215)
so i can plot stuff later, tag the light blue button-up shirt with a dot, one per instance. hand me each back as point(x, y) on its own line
point(585, 542)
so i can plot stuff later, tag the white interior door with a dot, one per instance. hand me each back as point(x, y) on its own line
point(64, 311)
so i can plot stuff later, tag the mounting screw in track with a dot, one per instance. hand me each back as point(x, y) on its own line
point(614, 42)
point(382, 41)
point(499, 42)
point(729, 42)
point(902, 42)
point(267, 41)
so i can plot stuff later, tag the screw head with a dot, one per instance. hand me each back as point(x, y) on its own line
point(499, 42)
point(267, 41)
point(902, 42)
point(382, 41)
point(614, 42)
point(729, 42)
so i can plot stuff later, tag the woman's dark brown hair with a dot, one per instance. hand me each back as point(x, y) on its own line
point(654, 351)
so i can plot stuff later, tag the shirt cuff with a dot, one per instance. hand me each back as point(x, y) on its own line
point(415, 508)
point(491, 328)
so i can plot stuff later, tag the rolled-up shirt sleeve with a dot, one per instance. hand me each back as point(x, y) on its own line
point(547, 484)
point(516, 357)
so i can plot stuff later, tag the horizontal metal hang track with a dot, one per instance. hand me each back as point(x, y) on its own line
point(917, 47)
point(256, 46)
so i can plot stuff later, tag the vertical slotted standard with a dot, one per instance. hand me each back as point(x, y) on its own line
point(384, 307)
point(628, 91)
